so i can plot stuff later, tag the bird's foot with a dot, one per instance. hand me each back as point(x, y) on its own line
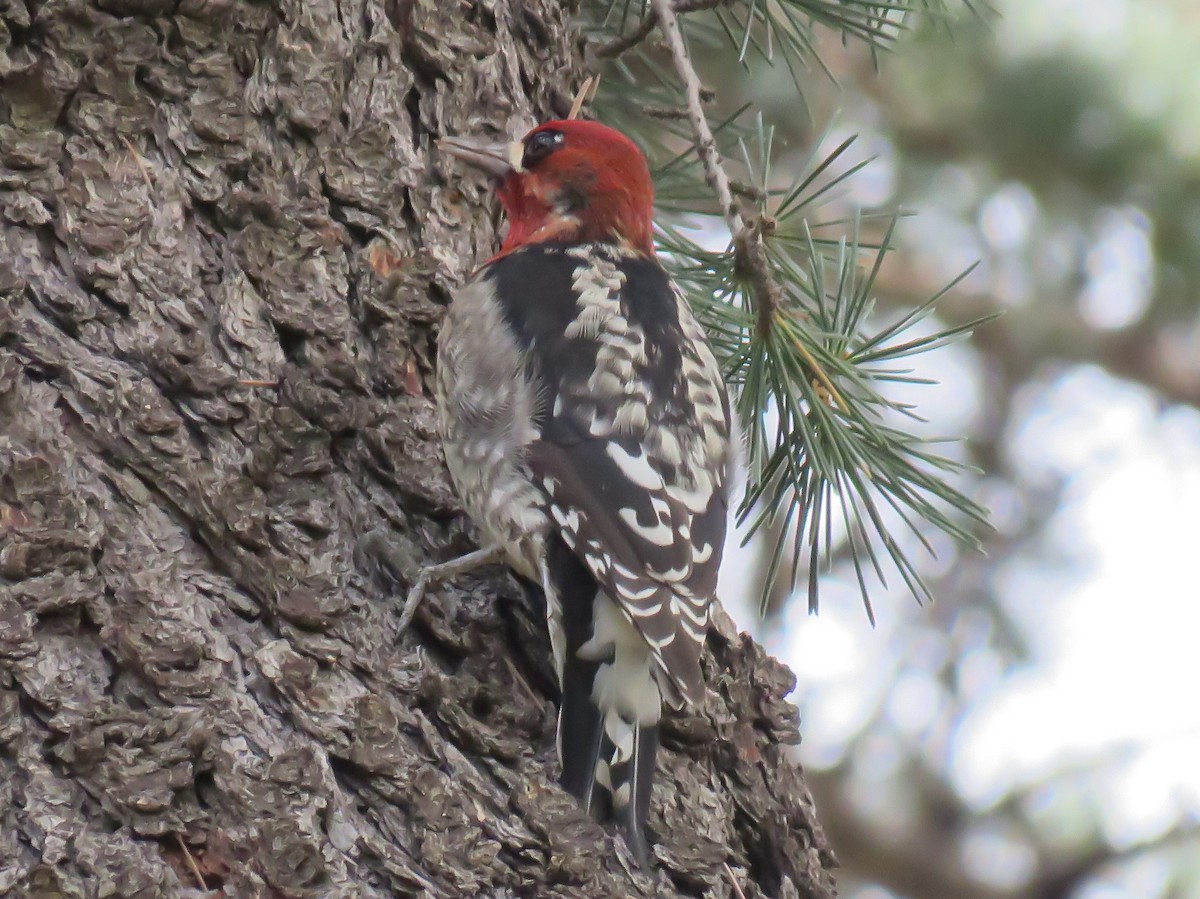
point(436, 574)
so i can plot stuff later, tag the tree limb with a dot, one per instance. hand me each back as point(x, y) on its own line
point(750, 254)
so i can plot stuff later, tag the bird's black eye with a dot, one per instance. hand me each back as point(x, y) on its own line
point(539, 146)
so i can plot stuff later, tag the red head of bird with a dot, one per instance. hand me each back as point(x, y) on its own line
point(570, 181)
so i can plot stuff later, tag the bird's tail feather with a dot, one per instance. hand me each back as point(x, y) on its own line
point(631, 779)
point(580, 733)
point(608, 719)
point(607, 761)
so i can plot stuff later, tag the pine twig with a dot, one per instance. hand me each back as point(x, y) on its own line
point(619, 45)
point(733, 880)
point(585, 94)
point(191, 862)
point(749, 252)
point(141, 163)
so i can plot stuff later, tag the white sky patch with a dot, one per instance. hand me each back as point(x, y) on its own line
point(840, 663)
point(1120, 270)
point(1111, 690)
point(1008, 216)
point(1117, 652)
point(959, 248)
point(1007, 221)
point(998, 858)
point(1142, 877)
point(1098, 25)
point(874, 185)
point(874, 892)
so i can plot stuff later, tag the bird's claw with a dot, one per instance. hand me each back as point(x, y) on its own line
point(434, 574)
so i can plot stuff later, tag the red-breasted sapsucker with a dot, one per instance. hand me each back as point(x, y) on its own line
point(586, 426)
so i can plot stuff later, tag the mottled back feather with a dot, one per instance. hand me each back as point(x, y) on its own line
point(632, 436)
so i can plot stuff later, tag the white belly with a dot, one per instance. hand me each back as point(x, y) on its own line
point(487, 403)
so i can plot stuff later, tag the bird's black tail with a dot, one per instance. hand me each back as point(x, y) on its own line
point(608, 720)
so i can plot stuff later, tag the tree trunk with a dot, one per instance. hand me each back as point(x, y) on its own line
point(201, 682)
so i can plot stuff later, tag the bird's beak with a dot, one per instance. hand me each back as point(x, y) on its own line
point(496, 159)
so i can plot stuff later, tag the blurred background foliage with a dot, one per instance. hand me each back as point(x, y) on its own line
point(1035, 733)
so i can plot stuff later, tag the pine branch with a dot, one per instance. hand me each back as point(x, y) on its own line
point(831, 472)
point(747, 236)
point(782, 29)
point(619, 45)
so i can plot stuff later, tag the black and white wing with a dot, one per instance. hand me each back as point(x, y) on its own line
point(634, 450)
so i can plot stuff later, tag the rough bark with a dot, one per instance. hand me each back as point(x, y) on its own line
point(200, 676)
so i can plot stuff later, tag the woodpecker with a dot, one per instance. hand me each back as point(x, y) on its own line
point(586, 427)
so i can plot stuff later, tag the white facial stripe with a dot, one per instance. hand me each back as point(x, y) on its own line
point(516, 152)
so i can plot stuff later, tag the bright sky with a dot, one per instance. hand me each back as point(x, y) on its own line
point(1111, 687)
point(1112, 684)
point(1120, 661)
